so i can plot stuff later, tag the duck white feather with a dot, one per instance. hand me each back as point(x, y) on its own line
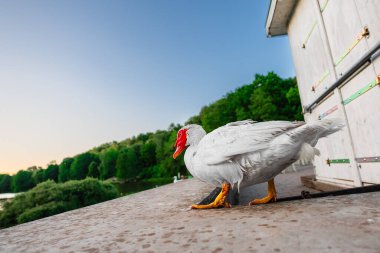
point(247, 152)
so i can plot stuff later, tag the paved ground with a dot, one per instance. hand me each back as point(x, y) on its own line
point(159, 220)
point(287, 185)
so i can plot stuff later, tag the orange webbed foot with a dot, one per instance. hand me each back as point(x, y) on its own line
point(220, 200)
point(271, 196)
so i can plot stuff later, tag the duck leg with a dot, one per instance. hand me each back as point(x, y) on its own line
point(271, 197)
point(220, 200)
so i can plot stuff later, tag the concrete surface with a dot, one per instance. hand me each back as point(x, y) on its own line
point(159, 220)
point(287, 185)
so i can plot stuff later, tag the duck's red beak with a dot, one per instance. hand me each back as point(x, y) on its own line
point(180, 143)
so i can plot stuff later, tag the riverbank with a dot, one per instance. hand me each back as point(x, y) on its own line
point(130, 187)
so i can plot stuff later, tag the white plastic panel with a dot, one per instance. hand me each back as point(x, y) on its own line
point(335, 146)
point(364, 121)
point(344, 21)
point(369, 11)
point(363, 114)
point(370, 173)
point(343, 26)
point(313, 55)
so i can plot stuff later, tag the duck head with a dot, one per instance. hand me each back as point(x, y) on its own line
point(188, 135)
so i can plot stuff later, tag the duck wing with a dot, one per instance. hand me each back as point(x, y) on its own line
point(241, 137)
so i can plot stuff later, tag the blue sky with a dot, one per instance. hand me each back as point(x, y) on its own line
point(76, 74)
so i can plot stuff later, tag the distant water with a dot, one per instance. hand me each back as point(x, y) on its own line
point(7, 195)
point(133, 187)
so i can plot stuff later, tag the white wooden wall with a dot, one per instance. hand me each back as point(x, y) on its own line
point(320, 32)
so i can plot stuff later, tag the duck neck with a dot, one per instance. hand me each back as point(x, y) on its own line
point(197, 136)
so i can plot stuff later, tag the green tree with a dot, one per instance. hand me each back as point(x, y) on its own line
point(268, 97)
point(126, 166)
point(38, 176)
point(275, 98)
point(121, 164)
point(142, 137)
point(51, 172)
point(217, 114)
point(108, 159)
point(5, 183)
point(22, 181)
point(262, 107)
point(64, 170)
point(240, 99)
point(131, 163)
point(294, 102)
point(138, 165)
point(148, 154)
point(160, 139)
point(93, 169)
point(79, 167)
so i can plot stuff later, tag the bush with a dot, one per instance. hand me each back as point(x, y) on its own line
point(49, 198)
point(39, 212)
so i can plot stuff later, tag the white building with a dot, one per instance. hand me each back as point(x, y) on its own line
point(335, 46)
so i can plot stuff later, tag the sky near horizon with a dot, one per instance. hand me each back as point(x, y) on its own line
point(76, 74)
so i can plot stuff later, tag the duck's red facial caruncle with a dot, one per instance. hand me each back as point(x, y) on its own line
point(180, 143)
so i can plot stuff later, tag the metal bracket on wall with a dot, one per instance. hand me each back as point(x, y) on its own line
point(329, 111)
point(362, 91)
point(369, 159)
point(372, 159)
point(363, 34)
point(330, 161)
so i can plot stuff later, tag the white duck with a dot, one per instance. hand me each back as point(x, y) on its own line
point(245, 153)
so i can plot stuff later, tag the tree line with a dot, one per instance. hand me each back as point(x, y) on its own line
point(149, 155)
